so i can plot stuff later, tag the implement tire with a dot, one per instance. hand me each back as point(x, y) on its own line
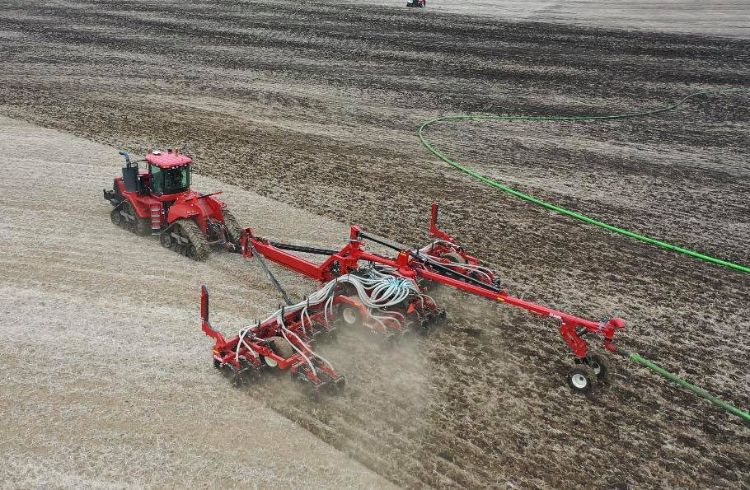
point(581, 379)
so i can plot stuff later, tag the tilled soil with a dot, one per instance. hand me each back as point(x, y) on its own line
point(105, 378)
point(316, 104)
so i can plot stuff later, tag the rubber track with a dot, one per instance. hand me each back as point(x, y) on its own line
point(233, 226)
point(197, 238)
point(567, 212)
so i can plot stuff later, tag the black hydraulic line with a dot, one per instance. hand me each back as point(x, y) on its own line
point(448, 270)
point(303, 249)
point(382, 241)
point(208, 195)
point(276, 283)
point(421, 259)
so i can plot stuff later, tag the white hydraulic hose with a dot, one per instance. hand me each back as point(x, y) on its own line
point(378, 290)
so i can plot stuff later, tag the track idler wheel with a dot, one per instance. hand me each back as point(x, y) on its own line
point(116, 217)
point(166, 240)
point(581, 379)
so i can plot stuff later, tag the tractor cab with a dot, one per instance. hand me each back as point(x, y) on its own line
point(168, 172)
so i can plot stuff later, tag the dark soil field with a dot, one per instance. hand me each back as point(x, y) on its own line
point(316, 105)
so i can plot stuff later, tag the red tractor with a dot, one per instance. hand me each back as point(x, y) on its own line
point(160, 202)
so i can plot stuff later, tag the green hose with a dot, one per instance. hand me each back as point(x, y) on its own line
point(688, 386)
point(558, 209)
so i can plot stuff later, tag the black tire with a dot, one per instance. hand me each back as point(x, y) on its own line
point(581, 379)
point(198, 248)
point(233, 227)
point(598, 365)
point(281, 347)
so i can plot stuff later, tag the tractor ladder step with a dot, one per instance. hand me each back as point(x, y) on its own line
point(155, 217)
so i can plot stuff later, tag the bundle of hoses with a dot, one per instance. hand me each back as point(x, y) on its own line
point(586, 219)
point(376, 291)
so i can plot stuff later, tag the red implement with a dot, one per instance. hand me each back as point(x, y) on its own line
point(389, 295)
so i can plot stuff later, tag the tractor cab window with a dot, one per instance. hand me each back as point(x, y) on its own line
point(170, 180)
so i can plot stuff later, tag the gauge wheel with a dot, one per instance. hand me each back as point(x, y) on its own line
point(581, 379)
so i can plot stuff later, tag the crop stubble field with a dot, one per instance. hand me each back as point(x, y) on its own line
point(315, 104)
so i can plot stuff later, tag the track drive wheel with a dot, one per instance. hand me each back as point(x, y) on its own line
point(233, 227)
point(581, 379)
point(116, 217)
point(165, 238)
point(198, 248)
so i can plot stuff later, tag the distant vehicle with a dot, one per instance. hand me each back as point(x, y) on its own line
point(417, 3)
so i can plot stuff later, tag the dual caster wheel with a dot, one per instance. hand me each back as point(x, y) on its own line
point(587, 373)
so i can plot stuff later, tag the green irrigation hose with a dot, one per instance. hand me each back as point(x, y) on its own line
point(573, 214)
point(688, 386)
point(558, 209)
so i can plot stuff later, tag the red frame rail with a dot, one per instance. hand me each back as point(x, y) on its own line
point(436, 263)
